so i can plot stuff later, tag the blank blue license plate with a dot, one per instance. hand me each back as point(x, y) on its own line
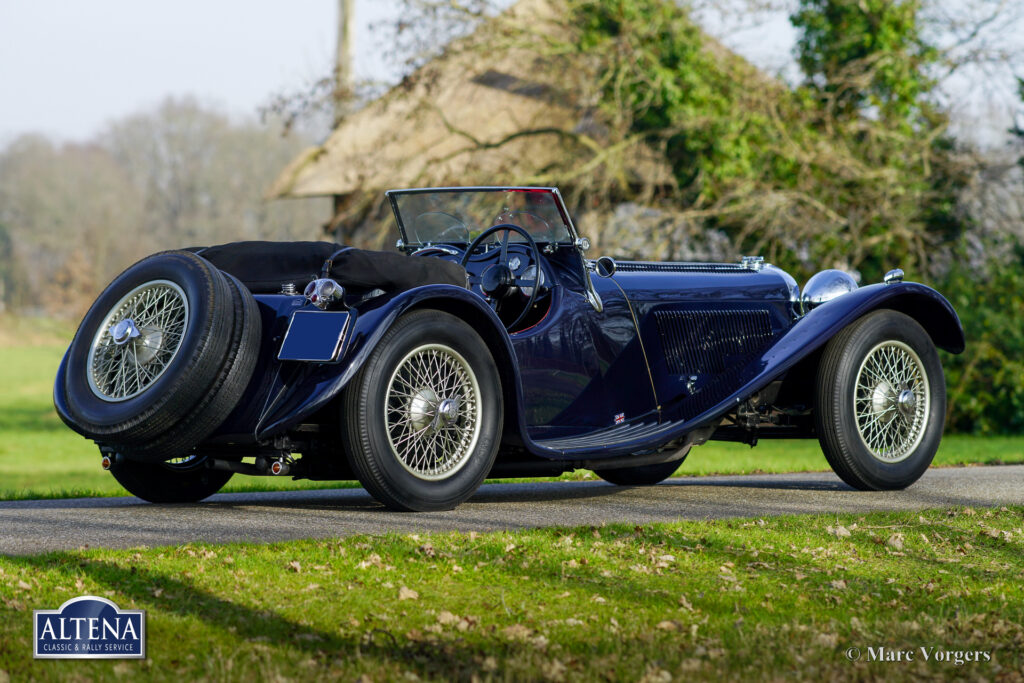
point(314, 336)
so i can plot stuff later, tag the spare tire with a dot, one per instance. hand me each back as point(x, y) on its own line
point(162, 357)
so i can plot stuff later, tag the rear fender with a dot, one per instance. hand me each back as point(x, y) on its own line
point(326, 381)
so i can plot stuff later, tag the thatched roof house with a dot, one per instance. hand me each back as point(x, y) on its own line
point(488, 110)
point(505, 105)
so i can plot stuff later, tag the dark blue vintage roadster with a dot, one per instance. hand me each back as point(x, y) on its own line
point(489, 345)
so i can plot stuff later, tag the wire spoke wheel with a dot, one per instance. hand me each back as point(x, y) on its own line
point(137, 340)
point(891, 401)
point(432, 410)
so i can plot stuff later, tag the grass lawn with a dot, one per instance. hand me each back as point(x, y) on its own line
point(40, 457)
point(783, 597)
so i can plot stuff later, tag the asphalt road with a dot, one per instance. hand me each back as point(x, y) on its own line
point(40, 525)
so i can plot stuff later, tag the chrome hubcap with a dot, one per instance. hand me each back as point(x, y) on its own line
point(137, 340)
point(421, 408)
point(124, 331)
point(432, 409)
point(891, 401)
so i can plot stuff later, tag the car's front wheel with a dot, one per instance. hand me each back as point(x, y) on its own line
point(422, 419)
point(881, 402)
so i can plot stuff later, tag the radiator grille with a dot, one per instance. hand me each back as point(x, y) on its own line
point(710, 342)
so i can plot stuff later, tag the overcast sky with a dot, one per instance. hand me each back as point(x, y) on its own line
point(67, 67)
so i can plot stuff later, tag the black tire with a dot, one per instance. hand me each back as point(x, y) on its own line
point(159, 482)
point(201, 382)
point(642, 475)
point(367, 408)
point(212, 409)
point(914, 429)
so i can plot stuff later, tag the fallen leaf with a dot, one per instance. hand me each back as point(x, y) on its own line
point(829, 640)
point(684, 603)
point(407, 594)
point(838, 584)
point(668, 625)
point(554, 670)
point(516, 632)
point(446, 618)
point(839, 531)
point(372, 561)
point(295, 566)
point(895, 541)
point(655, 674)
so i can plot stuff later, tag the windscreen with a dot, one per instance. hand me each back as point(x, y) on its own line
point(458, 216)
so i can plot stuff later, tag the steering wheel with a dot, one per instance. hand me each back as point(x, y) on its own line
point(498, 280)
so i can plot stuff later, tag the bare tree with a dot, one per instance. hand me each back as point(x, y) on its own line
point(178, 176)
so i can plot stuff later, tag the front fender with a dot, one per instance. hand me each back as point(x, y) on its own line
point(923, 304)
point(815, 329)
point(324, 383)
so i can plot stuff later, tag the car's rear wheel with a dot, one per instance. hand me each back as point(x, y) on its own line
point(881, 402)
point(162, 357)
point(423, 416)
point(182, 480)
point(643, 475)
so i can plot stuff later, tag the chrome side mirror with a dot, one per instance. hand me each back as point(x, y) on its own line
point(582, 243)
point(605, 266)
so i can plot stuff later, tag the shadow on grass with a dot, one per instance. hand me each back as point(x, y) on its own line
point(457, 656)
point(456, 659)
point(31, 418)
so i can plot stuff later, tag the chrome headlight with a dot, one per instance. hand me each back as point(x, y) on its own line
point(825, 286)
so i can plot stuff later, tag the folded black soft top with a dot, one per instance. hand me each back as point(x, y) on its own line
point(264, 267)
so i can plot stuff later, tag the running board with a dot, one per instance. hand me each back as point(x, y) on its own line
point(611, 440)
